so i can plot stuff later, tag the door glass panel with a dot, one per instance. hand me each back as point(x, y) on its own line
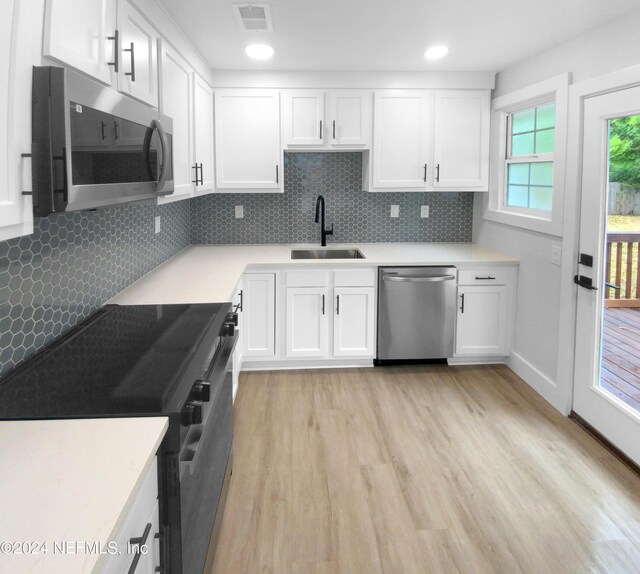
point(109, 149)
point(620, 351)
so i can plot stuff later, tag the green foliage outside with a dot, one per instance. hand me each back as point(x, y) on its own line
point(624, 150)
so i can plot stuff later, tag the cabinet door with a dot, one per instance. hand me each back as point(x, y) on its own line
point(402, 139)
point(176, 102)
point(304, 117)
point(137, 73)
point(19, 51)
point(482, 320)
point(247, 139)
point(203, 134)
point(349, 118)
point(258, 317)
point(81, 34)
point(306, 324)
point(461, 148)
point(353, 322)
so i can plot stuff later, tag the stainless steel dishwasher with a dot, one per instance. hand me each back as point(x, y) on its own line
point(416, 313)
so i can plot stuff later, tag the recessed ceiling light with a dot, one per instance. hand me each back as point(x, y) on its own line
point(259, 51)
point(436, 52)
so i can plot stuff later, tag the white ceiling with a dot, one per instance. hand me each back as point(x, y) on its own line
point(391, 35)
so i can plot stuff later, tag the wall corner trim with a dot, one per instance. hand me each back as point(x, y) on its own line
point(537, 380)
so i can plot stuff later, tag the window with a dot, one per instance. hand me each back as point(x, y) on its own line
point(528, 157)
point(529, 160)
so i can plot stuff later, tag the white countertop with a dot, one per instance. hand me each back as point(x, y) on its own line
point(209, 273)
point(70, 481)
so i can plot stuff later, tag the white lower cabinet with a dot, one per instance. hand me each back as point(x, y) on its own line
point(258, 316)
point(138, 538)
point(306, 322)
point(484, 314)
point(353, 322)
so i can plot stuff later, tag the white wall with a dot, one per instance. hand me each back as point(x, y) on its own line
point(610, 47)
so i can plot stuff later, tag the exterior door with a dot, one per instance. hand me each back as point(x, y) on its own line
point(603, 360)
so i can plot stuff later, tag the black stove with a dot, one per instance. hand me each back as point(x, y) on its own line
point(149, 360)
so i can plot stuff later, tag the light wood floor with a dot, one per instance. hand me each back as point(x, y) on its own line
point(419, 469)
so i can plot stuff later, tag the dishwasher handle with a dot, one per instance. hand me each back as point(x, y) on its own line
point(418, 278)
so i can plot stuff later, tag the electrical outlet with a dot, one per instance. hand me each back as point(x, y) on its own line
point(424, 211)
point(157, 224)
point(395, 211)
point(239, 211)
point(556, 254)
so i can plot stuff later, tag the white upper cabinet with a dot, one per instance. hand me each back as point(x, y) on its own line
point(303, 118)
point(176, 102)
point(314, 119)
point(203, 135)
point(17, 56)
point(349, 118)
point(402, 139)
point(247, 140)
point(137, 66)
point(461, 140)
point(82, 34)
point(108, 40)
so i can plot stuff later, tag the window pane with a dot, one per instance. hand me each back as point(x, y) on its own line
point(546, 116)
point(522, 144)
point(544, 141)
point(518, 196)
point(540, 198)
point(542, 173)
point(523, 122)
point(518, 173)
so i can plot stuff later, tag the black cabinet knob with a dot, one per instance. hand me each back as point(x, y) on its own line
point(232, 318)
point(228, 330)
point(186, 416)
point(197, 412)
point(201, 391)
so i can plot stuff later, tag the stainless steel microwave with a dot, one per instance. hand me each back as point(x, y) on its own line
point(93, 147)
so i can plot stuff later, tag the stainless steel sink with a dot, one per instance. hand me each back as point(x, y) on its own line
point(326, 254)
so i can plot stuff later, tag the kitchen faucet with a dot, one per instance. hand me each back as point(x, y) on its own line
point(324, 231)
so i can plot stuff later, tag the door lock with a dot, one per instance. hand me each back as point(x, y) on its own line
point(584, 282)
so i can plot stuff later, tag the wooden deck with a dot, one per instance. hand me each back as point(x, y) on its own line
point(620, 373)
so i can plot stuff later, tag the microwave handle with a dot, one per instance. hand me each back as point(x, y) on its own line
point(157, 124)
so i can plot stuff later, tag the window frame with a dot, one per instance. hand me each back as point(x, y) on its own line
point(555, 90)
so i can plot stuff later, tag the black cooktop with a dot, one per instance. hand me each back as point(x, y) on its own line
point(124, 360)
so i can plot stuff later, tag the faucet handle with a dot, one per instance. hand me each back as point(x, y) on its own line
point(329, 231)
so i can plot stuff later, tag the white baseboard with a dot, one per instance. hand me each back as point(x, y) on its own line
point(537, 380)
point(477, 361)
point(290, 364)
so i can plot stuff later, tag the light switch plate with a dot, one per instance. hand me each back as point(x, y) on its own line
point(157, 224)
point(556, 254)
point(395, 211)
point(239, 211)
point(424, 211)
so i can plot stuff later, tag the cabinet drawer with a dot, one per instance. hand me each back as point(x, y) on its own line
point(143, 511)
point(314, 278)
point(484, 276)
point(354, 278)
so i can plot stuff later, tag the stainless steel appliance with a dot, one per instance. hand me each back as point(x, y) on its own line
point(93, 147)
point(416, 313)
point(150, 360)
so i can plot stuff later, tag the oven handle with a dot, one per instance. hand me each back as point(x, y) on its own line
point(164, 145)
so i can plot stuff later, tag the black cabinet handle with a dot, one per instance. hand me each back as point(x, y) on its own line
point(338, 304)
point(320, 129)
point(462, 303)
point(196, 180)
point(424, 178)
point(132, 73)
point(323, 304)
point(277, 175)
point(116, 41)
point(139, 541)
point(487, 278)
point(34, 171)
point(201, 175)
point(115, 130)
point(334, 129)
point(241, 299)
point(438, 172)
point(102, 127)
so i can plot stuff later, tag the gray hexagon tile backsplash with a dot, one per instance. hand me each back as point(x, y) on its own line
point(357, 216)
point(72, 264)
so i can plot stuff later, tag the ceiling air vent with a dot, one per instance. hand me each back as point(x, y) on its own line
point(253, 17)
